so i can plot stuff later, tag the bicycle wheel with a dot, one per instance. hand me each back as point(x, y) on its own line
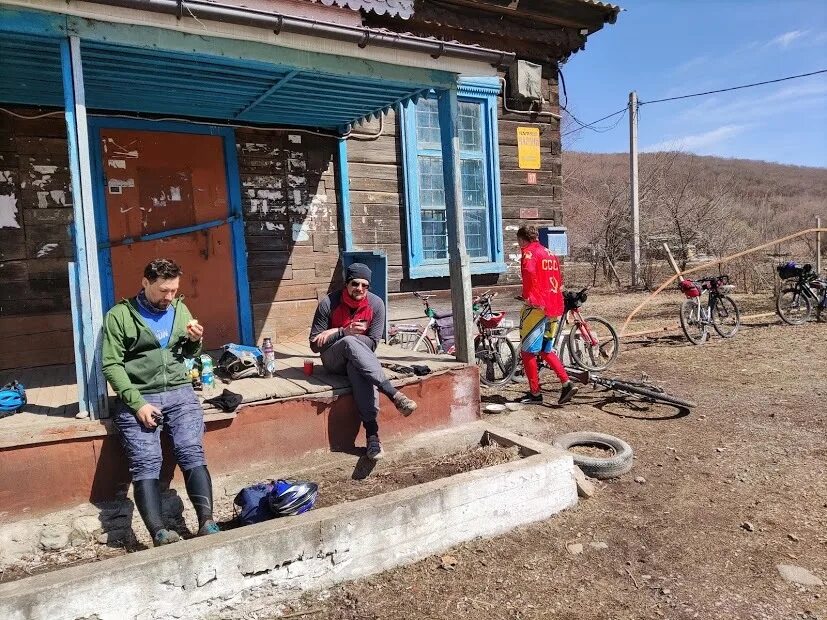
point(600, 355)
point(651, 394)
point(793, 306)
point(725, 316)
point(691, 324)
point(407, 340)
point(496, 359)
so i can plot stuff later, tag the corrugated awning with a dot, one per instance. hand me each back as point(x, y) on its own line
point(138, 79)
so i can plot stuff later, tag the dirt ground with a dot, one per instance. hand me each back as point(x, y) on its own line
point(716, 500)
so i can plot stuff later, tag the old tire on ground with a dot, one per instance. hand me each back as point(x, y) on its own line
point(598, 467)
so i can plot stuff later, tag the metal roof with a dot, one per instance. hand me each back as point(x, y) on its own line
point(136, 79)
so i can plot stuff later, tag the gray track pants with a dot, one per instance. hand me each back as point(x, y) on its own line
point(353, 357)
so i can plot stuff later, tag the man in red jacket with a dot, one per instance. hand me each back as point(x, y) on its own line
point(540, 317)
point(347, 326)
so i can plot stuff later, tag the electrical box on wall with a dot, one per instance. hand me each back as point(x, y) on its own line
point(555, 238)
point(526, 79)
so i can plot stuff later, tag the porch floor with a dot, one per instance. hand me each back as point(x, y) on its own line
point(53, 397)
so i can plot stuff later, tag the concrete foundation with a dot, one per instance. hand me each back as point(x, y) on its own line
point(311, 551)
point(94, 468)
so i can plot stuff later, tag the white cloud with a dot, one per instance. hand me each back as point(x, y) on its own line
point(692, 63)
point(786, 39)
point(700, 142)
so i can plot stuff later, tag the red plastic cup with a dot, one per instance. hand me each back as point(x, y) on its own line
point(308, 367)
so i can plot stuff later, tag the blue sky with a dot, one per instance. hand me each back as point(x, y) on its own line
point(666, 48)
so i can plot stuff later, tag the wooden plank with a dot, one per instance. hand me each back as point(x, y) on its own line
point(372, 184)
point(389, 171)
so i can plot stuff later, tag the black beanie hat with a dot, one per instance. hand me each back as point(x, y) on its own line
point(357, 271)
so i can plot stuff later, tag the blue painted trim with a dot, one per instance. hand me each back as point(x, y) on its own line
point(343, 191)
point(441, 270)
point(242, 283)
point(106, 281)
point(77, 329)
point(487, 86)
point(413, 208)
point(82, 334)
point(24, 21)
point(172, 232)
point(482, 91)
point(235, 216)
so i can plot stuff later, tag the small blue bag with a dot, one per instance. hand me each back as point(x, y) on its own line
point(253, 506)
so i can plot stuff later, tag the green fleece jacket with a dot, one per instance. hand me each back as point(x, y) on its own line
point(134, 362)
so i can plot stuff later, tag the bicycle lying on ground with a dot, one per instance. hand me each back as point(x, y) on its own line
point(494, 352)
point(642, 390)
point(720, 310)
point(801, 290)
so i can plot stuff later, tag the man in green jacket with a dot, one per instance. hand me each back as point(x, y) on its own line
point(145, 341)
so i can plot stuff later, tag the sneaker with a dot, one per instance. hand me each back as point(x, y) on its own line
point(165, 537)
point(210, 527)
point(531, 399)
point(567, 393)
point(375, 451)
point(404, 405)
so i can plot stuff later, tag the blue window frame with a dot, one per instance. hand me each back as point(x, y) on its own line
point(479, 177)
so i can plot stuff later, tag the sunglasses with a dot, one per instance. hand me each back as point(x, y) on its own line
point(355, 284)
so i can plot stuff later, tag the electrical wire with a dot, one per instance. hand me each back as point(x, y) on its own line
point(591, 126)
point(563, 84)
point(724, 90)
point(642, 103)
point(349, 134)
point(30, 118)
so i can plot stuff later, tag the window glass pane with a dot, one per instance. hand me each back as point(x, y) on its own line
point(470, 131)
point(434, 234)
point(431, 186)
point(476, 233)
point(473, 183)
point(427, 124)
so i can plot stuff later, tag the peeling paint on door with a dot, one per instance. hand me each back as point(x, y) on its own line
point(301, 232)
point(8, 211)
point(46, 249)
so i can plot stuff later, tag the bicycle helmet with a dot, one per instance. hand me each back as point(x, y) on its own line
point(12, 397)
point(239, 362)
point(492, 320)
point(292, 497)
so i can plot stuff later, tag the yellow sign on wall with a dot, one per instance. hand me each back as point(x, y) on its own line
point(528, 148)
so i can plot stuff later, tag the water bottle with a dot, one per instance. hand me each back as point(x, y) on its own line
point(193, 372)
point(207, 374)
point(269, 358)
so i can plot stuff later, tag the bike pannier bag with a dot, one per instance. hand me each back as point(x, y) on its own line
point(789, 270)
point(690, 289)
point(445, 327)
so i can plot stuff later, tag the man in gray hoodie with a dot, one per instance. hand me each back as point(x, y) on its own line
point(347, 326)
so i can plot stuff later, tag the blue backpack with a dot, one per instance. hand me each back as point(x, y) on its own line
point(281, 498)
point(253, 504)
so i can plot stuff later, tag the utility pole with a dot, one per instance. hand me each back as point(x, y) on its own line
point(818, 246)
point(633, 189)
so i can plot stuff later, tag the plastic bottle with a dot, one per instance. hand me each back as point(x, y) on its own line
point(193, 372)
point(269, 358)
point(207, 374)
